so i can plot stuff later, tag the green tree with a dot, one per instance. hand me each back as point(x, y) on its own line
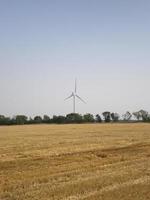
point(74, 118)
point(127, 116)
point(88, 118)
point(21, 119)
point(141, 115)
point(4, 120)
point(98, 118)
point(107, 116)
point(115, 117)
point(46, 119)
point(38, 119)
point(58, 119)
point(137, 115)
point(144, 115)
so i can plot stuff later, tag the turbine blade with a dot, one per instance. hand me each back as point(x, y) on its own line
point(69, 97)
point(80, 99)
point(75, 85)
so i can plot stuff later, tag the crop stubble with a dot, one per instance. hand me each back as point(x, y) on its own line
point(70, 162)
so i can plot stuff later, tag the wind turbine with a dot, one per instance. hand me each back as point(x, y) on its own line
point(74, 96)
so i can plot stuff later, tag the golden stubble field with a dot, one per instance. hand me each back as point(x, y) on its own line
point(71, 162)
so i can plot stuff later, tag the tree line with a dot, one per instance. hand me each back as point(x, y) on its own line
point(106, 117)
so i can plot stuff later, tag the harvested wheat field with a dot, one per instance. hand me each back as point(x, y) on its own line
point(70, 162)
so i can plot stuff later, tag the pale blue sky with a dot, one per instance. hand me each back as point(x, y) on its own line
point(45, 44)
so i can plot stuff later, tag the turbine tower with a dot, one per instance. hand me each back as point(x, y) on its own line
point(74, 96)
